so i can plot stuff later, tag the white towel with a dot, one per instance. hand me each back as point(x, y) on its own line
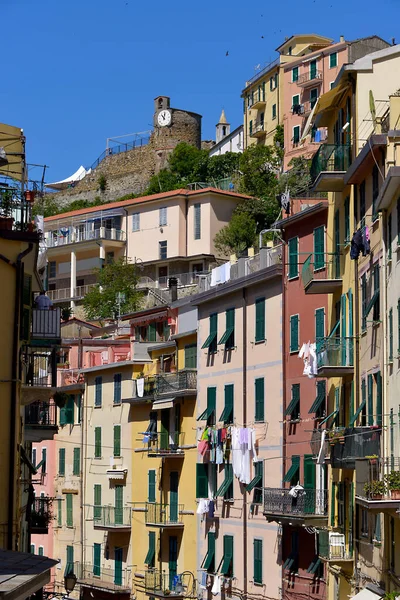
point(140, 387)
point(203, 506)
point(321, 454)
point(216, 588)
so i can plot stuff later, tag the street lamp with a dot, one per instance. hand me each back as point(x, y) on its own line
point(69, 582)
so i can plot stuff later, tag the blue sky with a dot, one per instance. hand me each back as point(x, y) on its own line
point(77, 72)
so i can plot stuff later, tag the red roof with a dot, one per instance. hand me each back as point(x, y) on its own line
point(170, 194)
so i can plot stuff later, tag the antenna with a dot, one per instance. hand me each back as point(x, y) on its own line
point(372, 109)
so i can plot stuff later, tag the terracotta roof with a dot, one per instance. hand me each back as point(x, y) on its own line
point(142, 199)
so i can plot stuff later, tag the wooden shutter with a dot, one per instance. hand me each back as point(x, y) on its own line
point(119, 504)
point(69, 409)
point(258, 560)
point(69, 503)
point(309, 472)
point(197, 221)
point(230, 324)
point(190, 356)
point(378, 377)
point(79, 408)
point(151, 492)
point(98, 391)
point(333, 504)
point(201, 480)
point(97, 442)
point(44, 460)
point(96, 559)
point(260, 320)
point(347, 219)
point(69, 559)
point(259, 397)
point(294, 333)
point(173, 496)
point(61, 462)
point(152, 332)
point(390, 319)
point(117, 440)
point(77, 461)
point(117, 388)
point(97, 501)
point(59, 512)
point(370, 401)
point(319, 248)
point(293, 257)
point(319, 324)
point(211, 404)
point(118, 566)
point(229, 393)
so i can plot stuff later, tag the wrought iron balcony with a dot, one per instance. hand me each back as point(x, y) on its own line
point(335, 356)
point(40, 421)
point(181, 383)
point(313, 77)
point(46, 324)
point(15, 211)
point(161, 584)
point(38, 367)
point(257, 100)
point(164, 515)
point(321, 274)
point(41, 515)
point(355, 443)
point(109, 517)
point(258, 130)
point(94, 576)
point(165, 444)
point(374, 489)
point(332, 546)
point(329, 166)
point(308, 505)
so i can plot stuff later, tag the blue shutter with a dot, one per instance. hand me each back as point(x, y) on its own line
point(98, 391)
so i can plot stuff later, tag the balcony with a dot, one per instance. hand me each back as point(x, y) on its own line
point(164, 515)
point(335, 357)
point(38, 373)
point(373, 488)
point(181, 383)
point(312, 78)
point(321, 274)
point(15, 212)
point(162, 585)
point(46, 324)
point(310, 506)
point(115, 581)
point(65, 236)
point(64, 294)
point(329, 166)
point(71, 378)
point(308, 106)
point(166, 445)
point(354, 443)
point(41, 515)
point(40, 421)
point(111, 518)
point(162, 283)
point(332, 547)
point(257, 100)
point(258, 130)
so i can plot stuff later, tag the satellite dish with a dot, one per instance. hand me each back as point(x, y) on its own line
point(372, 109)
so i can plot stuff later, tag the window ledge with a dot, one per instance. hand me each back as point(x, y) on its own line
point(364, 332)
point(117, 403)
point(294, 351)
point(97, 406)
point(258, 584)
point(293, 277)
point(258, 342)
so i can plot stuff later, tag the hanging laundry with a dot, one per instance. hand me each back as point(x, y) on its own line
point(202, 447)
point(216, 588)
point(140, 387)
point(203, 581)
point(365, 240)
point(321, 453)
point(211, 509)
point(219, 455)
point(296, 491)
point(203, 506)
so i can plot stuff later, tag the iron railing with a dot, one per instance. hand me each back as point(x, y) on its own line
point(40, 515)
point(335, 352)
point(330, 157)
point(111, 517)
point(15, 211)
point(138, 142)
point(46, 324)
point(161, 583)
point(165, 443)
point(357, 442)
point(183, 280)
point(94, 575)
point(332, 546)
point(308, 502)
point(257, 97)
point(264, 70)
point(38, 367)
point(163, 514)
point(309, 77)
point(258, 127)
point(69, 235)
point(320, 266)
point(41, 414)
point(169, 383)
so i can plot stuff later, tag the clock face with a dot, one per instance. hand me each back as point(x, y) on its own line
point(164, 118)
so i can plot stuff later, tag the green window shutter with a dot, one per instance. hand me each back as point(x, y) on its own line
point(77, 462)
point(119, 504)
point(69, 502)
point(117, 440)
point(295, 100)
point(260, 320)
point(79, 408)
point(363, 302)
point(229, 335)
point(333, 504)
point(351, 513)
point(390, 319)
point(333, 60)
point(258, 561)
point(209, 561)
point(152, 332)
point(59, 512)
point(211, 341)
point(96, 559)
point(201, 480)
point(98, 382)
point(313, 69)
point(118, 556)
point(117, 388)
point(319, 324)
point(151, 490)
point(191, 356)
point(63, 415)
point(295, 74)
point(350, 299)
point(398, 328)
point(293, 257)
point(97, 442)
point(69, 567)
point(197, 221)
point(309, 472)
point(227, 413)
point(294, 406)
point(61, 462)
point(259, 398)
point(227, 564)
point(351, 411)
point(370, 401)
point(347, 219)
point(211, 405)
point(150, 556)
point(294, 333)
point(41, 551)
point(69, 409)
point(97, 502)
point(319, 248)
point(32, 548)
point(274, 111)
point(313, 97)
point(44, 460)
point(378, 377)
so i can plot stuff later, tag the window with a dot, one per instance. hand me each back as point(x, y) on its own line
point(190, 356)
point(271, 83)
point(163, 250)
point(209, 561)
point(389, 237)
point(259, 399)
point(291, 563)
point(293, 244)
point(61, 462)
point(209, 413)
point(295, 101)
point(69, 567)
point(375, 191)
point(69, 503)
point(292, 474)
point(225, 490)
point(117, 388)
point(98, 382)
point(163, 216)
point(319, 248)
point(136, 222)
point(332, 83)
point(151, 487)
point(59, 512)
point(294, 333)
point(52, 269)
point(274, 111)
point(362, 204)
point(377, 529)
point(76, 470)
point(250, 126)
point(227, 414)
point(333, 60)
point(290, 50)
point(97, 442)
point(257, 560)
point(197, 221)
point(295, 74)
point(117, 441)
point(78, 408)
point(34, 457)
point(96, 559)
point(151, 553)
point(341, 494)
point(228, 337)
point(378, 383)
point(293, 410)
point(44, 460)
point(227, 564)
point(201, 480)
point(313, 97)
point(347, 220)
point(211, 341)
point(370, 400)
point(364, 522)
point(364, 302)
point(260, 320)
point(256, 483)
point(110, 258)
point(97, 502)
point(67, 411)
point(318, 406)
point(296, 135)
point(390, 318)
point(374, 302)
point(313, 69)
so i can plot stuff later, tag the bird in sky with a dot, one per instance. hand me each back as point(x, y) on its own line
point(227, 53)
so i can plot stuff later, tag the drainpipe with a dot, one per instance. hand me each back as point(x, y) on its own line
point(83, 420)
point(244, 383)
point(384, 449)
point(14, 396)
point(126, 228)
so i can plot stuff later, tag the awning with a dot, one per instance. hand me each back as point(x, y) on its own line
point(327, 102)
point(257, 477)
point(226, 415)
point(293, 404)
point(206, 414)
point(367, 594)
point(161, 404)
point(209, 559)
point(144, 320)
point(63, 184)
point(226, 335)
point(308, 124)
point(116, 473)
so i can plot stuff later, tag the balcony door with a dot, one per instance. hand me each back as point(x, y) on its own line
point(173, 496)
point(172, 559)
point(118, 566)
point(313, 69)
point(164, 433)
point(309, 484)
point(119, 503)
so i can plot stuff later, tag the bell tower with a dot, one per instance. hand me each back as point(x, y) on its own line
point(223, 128)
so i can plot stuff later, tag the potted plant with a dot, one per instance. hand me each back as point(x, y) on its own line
point(30, 196)
point(393, 483)
point(372, 459)
point(60, 399)
point(66, 313)
point(6, 208)
point(375, 489)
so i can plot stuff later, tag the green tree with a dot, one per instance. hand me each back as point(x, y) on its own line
point(297, 179)
point(184, 160)
point(101, 302)
point(259, 166)
point(238, 235)
point(164, 181)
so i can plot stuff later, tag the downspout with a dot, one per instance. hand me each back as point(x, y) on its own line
point(186, 224)
point(385, 408)
point(83, 458)
point(14, 397)
point(83, 479)
point(126, 228)
point(244, 383)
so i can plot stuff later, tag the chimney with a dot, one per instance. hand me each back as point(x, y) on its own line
point(173, 288)
point(393, 41)
point(342, 38)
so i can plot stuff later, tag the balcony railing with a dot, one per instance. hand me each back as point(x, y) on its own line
point(356, 442)
point(69, 377)
point(332, 158)
point(310, 78)
point(41, 414)
point(257, 99)
point(332, 546)
point(65, 293)
point(321, 273)
point(69, 235)
point(181, 381)
point(164, 515)
point(166, 444)
point(162, 283)
point(46, 324)
point(258, 129)
point(95, 576)
point(335, 356)
point(15, 211)
point(308, 503)
point(109, 517)
point(40, 515)
point(160, 583)
point(38, 366)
